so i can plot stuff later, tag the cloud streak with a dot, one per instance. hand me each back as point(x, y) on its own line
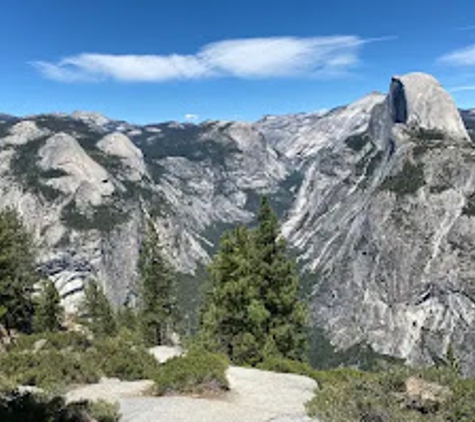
point(461, 57)
point(191, 117)
point(463, 88)
point(253, 58)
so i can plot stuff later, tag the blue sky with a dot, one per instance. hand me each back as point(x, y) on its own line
point(150, 61)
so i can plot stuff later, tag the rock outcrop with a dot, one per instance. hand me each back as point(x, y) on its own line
point(380, 219)
point(118, 145)
point(419, 101)
point(81, 175)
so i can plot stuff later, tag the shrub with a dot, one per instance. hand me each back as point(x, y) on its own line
point(49, 369)
point(351, 395)
point(121, 358)
point(16, 406)
point(104, 411)
point(68, 358)
point(287, 366)
point(197, 372)
point(53, 341)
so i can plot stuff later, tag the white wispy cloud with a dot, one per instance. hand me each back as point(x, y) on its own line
point(463, 88)
point(190, 117)
point(461, 57)
point(241, 58)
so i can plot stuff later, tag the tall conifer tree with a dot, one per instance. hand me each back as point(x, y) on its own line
point(279, 282)
point(48, 309)
point(252, 309)
point(157, 307)
point(97, 311)
point(17, 272)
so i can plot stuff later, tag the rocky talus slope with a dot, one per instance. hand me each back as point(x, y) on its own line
point(377, 198)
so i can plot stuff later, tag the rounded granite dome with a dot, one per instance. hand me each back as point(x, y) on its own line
point(419, 100)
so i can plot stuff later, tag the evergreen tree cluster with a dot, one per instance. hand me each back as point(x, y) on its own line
point(252, 310)
point(17, 273)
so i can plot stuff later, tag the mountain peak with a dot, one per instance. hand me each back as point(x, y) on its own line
point(90, 117)
point(419, 100)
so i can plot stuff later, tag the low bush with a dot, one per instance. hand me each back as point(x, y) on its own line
point(351, 395)
point(53, 341)
point(53, 361)
point(197, 372)
point(16, 406)
point(119, 357)
point(49, 369)
point(287, 366)
point(100, 411)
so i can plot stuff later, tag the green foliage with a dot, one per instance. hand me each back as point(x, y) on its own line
point(346, 395)
point(127, 319)
point(103, 411)
point(357, 142)
point(197, 372)
point(157, 310)
point(24, 166)
point(123, 358)
point(48, 309)
point(97, 311)
point(48, 369)
point(429, 135)
point(452, 360)
point(191, 142)
point(104, 217)
point(54, 361)
point(17, 272)
point(425, 140)
point(252, 310)
point(323, 355)
point(287, 366)
point(17, 407)
point(65, 340)
point(408, 181)
point(28, 407)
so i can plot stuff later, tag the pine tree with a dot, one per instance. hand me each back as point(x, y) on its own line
point(252, 309)
point(279, 283)
point(17, 273)
point(48, 309)
point(229, 321)
point(127, 318)
point(157, 304)
point(97, 311)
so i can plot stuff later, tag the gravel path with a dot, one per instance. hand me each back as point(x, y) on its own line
point(254, 396)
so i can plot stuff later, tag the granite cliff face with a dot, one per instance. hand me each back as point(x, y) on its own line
point(86, 184)
point(389, 234)
point(377, 198)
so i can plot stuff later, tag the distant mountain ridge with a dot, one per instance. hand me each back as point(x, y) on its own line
point(376, 198)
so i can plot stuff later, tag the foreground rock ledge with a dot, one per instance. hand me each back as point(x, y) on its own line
point(254, 396)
